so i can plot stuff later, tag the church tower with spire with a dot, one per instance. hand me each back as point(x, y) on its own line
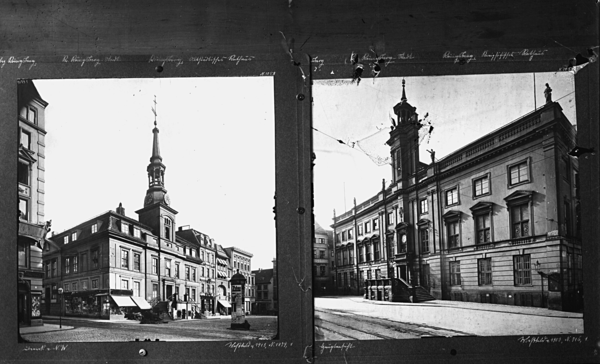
point(157, 212)
point(403, 142)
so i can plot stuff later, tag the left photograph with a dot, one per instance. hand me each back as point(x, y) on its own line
point(132, 218)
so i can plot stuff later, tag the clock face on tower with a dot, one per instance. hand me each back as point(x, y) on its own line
point(148, 199)
point(167, 199)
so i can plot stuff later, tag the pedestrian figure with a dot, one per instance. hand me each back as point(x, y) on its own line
point(548, 94)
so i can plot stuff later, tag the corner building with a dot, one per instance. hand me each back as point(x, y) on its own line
point(496, 221)
point(113, 263)
point(31, 218)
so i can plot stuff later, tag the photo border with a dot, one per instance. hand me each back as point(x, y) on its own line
point(290, 151)
point(293, 135)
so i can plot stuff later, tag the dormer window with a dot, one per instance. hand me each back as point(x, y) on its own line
point(136, 232)
point(66, 239)
point(124, 227)
point(74, 236)
point(94, 228)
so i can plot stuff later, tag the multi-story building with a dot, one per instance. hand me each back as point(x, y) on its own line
point(113, 262)
point(263, 304)
point(223, 272)
point(30, 183)
point(322, 259)
point(252, 291)
point(240, 262)
point(495, 221)
point(206, 272)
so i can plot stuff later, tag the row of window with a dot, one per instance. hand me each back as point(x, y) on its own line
point(320, 253)
point(74, 263)
point(262, 292)
point(82, 285)
point(521, 271)
point(320, 270)
point(517, 174)
point(241, 266)
point(320, 241)
point(368, 226)
point(75, 234)
point(363, 228)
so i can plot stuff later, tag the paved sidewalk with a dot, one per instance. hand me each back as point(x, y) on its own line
point(470, 317)
point(536, 311)
point(43, 329)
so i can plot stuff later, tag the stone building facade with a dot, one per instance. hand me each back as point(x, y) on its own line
point(31, 217)
point(112, 264)
point(496, 221)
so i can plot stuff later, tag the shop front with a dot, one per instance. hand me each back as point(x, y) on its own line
point(207, 304)
point(102, 303)
point(224, 307)
point(29, 304)
point(30, 275)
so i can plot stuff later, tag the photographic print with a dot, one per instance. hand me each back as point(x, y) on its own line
point(446, 206)
point(146, 210)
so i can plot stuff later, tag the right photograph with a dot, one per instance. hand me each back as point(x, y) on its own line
point(446, 206)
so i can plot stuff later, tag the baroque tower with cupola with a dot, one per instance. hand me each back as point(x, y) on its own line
point(156, 212)
point(403, 142)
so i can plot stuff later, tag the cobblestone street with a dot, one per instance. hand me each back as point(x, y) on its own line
point(261, 328)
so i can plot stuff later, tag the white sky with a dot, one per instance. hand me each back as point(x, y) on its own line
point(461, 109)
point(216, 140)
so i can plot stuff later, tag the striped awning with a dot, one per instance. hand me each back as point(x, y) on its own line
point(123, 301)
point(141, 303)
point(224, 303)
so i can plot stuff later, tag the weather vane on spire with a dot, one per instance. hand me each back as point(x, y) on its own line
point(154, 110)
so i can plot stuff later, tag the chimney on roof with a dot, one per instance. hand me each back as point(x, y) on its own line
point(121, 209)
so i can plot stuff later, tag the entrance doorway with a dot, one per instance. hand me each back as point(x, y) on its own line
point(47, 299)
point(23, 312)
point(403, 272)
point(426, 283)
point(169, 292)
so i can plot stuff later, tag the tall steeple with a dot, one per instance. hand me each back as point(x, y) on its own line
point(403, 142)
point(156, 192)
point(405, 111)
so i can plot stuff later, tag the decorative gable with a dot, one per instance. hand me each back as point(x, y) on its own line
point(452, 215)
point(519, 196)
point(482, 206)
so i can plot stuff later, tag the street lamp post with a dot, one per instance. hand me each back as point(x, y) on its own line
point(210, 299)
point(542, 275)
point(60, 294)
